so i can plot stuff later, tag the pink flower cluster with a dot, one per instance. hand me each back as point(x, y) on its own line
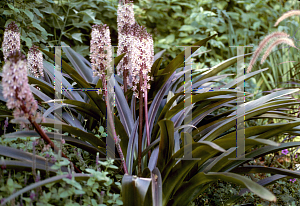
point(11, 40)
point(141, 57)
point(133, 40)
point(125, 15)
point(101, 53)
point(35, 61)
point(125, 19)
point(16, 88)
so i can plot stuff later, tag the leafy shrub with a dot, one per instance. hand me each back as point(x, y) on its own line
point(103, 187)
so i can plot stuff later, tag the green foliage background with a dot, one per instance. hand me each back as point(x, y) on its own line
point(171, 22)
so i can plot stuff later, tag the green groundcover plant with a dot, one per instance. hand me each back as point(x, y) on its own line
point(150, 135)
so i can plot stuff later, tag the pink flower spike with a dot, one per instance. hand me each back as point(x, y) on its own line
point(35, 61)
point(16, 88)
point(125, 19)
point(101, 53)
point(11, 40)
point(142, 57)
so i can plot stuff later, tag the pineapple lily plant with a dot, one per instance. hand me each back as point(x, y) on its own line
point(148, 119)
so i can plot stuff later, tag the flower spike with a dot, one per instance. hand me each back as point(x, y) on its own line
point(142, 57)
point(263, 44)
point(16, 88)
point(125, 20)
point(275, 43)
point(101, 54)
point(286, 15)
point(11, 40)
point(35, 61)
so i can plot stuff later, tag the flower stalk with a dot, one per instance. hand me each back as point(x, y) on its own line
point(116, 138)
point(19, 96)
point(101, 58)
point(141, 56)
point(140, 129)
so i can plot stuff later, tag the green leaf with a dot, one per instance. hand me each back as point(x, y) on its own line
point(77, 36)
point(10, 182)
point(170, 39)
point(27, 40)
point(55, 179)
point(73, 183)
point(101, 129)
point(259, 153)
point(112, 167)
point(48, 10)
point(166, 145)
point(38, 12)
point(89, 137)
point(173, 175)
point(13, 8)
point(8, 12)
point(135, 191)
point(196, 98)
point(64, 194)
point(187, 28)
point(223, 65)
point(79, 192)
point(256, 25)
point(29, 14)
point(90, 13)
point(187, 192)
point(36, 25)
point(91, 182)
point(173, 65)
